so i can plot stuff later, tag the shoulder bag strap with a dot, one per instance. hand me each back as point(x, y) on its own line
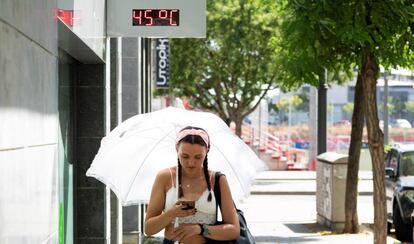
point(217, 192)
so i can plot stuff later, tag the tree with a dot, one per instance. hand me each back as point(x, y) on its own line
point(398, 107)
point(231, 70)
point(390, 104)
point(341, 34)
point(354, 152)
point(409, 105)
point(288, 103)
point(304, 106)
point(348, 108)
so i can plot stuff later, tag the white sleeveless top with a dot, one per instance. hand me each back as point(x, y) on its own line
point(206, 211)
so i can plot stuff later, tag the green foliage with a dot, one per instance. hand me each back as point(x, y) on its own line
point(329, 108)
point(334, 34)
point(304, 106)
point(343, 35)
point(285, 102)
point(409, 105)
point(391, 105)
point(348, 108)
point(387, 148)
point(234, 66)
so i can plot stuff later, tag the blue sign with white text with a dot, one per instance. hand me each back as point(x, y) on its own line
point(162, 52)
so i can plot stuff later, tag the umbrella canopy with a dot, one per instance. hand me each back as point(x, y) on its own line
point(131, 155)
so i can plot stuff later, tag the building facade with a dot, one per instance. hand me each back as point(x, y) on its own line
point(63, 86)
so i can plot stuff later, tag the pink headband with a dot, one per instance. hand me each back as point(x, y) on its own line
point(194, 132)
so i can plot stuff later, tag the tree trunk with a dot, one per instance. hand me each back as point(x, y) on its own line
point(238, 123)
point(376, 145)
point(351, 193)
point(227, 121)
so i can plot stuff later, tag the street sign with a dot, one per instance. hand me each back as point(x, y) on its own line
point(156, 18)
point(162, 66)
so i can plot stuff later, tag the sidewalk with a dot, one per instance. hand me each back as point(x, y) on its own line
point(282, 209)
point(299, 183)
point(295, 233)
point(311, 233)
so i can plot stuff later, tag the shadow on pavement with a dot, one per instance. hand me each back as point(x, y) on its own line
point(275, 239)
point(297, 233)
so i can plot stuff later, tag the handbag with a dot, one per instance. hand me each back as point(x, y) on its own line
point(245, 236)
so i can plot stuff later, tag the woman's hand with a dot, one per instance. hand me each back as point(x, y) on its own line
point(178, 211)
point(184, 231)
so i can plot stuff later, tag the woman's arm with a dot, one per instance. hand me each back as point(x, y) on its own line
point(155, 219)
point(230, 229)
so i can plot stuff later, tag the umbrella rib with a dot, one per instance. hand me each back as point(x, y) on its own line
point(144, 160)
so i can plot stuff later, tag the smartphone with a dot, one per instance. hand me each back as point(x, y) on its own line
point(188, 204)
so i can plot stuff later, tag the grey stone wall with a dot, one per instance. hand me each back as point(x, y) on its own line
point(136, 99)
point(114, 122)
point(28, 122)
point(129, 77)
point(129, 108)
point(90, 128)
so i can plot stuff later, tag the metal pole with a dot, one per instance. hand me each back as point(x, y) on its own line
point(313, 125)
point(118, 61)
point(322, 90)
point(289, 121)
point(385, 109)
point(260, 124)
point(107, 130)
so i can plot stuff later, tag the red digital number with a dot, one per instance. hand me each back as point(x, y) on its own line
point(138, 16)
point(155, 17)
point(148, 17)
point(171, 17)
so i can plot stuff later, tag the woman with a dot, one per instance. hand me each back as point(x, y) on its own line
point(195, 183)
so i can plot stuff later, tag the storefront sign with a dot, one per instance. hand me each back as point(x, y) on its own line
point(162, 59)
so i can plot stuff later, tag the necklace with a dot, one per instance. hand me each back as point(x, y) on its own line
point(196, 179)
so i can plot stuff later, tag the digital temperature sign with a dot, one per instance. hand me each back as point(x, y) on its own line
point(156, 17)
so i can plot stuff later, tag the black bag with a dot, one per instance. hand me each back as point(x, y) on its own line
point(245, 236)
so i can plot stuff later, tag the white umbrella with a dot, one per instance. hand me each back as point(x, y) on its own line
point(132, 154)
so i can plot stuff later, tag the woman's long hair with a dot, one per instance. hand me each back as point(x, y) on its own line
point(194, 139)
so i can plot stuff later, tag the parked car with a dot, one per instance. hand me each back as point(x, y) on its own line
point(396, 123)
point(399, 171)
point(402, 123)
